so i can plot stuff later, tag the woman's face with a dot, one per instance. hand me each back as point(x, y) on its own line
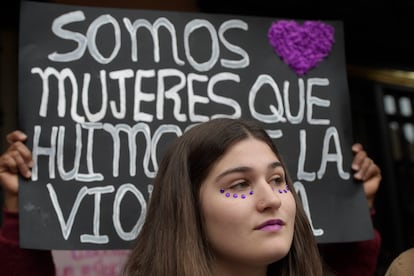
point(248, 211)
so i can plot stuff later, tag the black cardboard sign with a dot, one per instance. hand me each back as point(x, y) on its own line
point(104, 91)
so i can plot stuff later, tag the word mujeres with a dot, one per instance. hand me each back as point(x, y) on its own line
point(114, 103)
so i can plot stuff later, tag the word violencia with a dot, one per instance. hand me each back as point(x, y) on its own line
point(55, 155)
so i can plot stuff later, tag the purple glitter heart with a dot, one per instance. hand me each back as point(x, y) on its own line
point(301, 47)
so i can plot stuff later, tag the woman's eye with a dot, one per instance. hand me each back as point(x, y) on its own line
point(240, 186)
point(278, 180)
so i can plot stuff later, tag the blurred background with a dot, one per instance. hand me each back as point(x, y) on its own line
point(379, 46)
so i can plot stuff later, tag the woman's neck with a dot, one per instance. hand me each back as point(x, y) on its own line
point(227, 269)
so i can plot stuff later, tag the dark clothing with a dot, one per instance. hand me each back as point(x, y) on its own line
point(16, 261)
point(353, 258)
point(358, 258)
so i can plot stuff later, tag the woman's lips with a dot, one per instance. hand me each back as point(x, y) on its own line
point(271, 225)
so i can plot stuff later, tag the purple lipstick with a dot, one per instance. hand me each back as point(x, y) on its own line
point(271, 225)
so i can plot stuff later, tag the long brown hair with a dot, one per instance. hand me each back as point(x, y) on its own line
point(172, 240)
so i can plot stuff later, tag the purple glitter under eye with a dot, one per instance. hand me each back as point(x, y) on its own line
point(281, 191)
point(243, 196)
point(234, 195)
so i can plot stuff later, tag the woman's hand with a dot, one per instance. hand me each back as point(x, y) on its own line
point(17, 159)
point(366, 171)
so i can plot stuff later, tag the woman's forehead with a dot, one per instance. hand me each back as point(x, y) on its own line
point(248, 152)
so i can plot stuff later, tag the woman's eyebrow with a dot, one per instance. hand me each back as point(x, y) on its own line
point(244, 169)
point(275, 165)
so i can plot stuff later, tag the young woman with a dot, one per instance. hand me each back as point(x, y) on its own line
point(223, 204)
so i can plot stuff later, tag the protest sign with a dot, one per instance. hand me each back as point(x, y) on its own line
point(104, 91)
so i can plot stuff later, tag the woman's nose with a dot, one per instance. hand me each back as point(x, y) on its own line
point(267, 196)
